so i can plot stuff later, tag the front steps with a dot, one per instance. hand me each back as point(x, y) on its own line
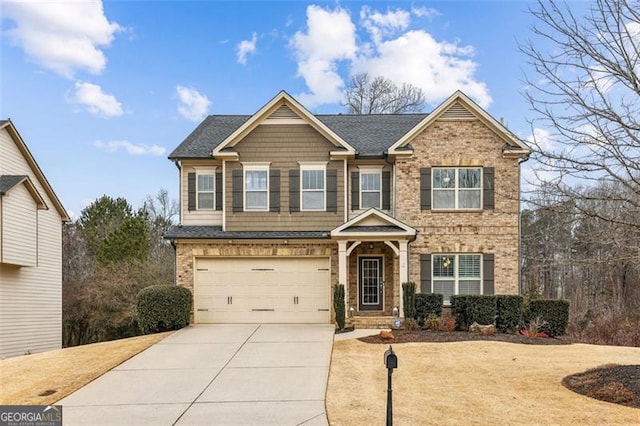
point(381, 322)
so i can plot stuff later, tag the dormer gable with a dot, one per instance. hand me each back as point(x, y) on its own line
point(283, 109)
point(460, 107)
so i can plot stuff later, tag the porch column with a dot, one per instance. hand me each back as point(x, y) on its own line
point(342, 272)
point(404, 270)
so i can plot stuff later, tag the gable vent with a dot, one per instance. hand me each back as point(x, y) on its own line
point(457, 112)
point(283, 115)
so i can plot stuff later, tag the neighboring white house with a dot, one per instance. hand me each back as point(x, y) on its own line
point(31, 218)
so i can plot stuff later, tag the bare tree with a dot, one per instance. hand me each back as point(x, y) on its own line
point(585, 95)
point(379, 95)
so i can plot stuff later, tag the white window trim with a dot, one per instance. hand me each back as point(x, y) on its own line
point(313, 167)
point(253, 167)
point(456, 276)
point(204, 171)
point(456, 189)
point(370, 170)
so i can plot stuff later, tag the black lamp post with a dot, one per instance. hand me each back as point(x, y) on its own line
point(391, 362)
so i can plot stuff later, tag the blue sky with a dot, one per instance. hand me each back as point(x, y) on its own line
point(103, 92)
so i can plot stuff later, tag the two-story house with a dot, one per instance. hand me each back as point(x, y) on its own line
point(278, 206)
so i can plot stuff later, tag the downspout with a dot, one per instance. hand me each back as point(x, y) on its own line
point(173, 243)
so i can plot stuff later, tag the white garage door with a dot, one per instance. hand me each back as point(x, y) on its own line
point(262, 290)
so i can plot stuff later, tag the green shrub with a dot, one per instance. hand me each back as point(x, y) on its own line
point(459, 311)
point(471, 308)
point(338, 305)
point(163, 307)
point(508, 313)
point(553, 313)
point(428, 303)
point(409, 299)
point(482, 309)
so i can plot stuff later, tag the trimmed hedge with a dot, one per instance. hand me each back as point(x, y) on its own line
point(409, 299)
point(427, 303)
point(555, 314)
point(338, 305)
point(469, 309)
point(163, 308)
point(509, 310)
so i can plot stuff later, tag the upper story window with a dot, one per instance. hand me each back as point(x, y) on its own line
point(370, 188)
point(256, 188)
point(457, 188)
point(455, 274)
point(313, 188)
point(205, 191)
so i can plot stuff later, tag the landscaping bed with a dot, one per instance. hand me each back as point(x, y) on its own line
point(406, 336)
point(618, 384)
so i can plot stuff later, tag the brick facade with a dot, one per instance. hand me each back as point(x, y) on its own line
point(463, 143)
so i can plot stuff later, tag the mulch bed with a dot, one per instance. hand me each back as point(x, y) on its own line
point(618, 384)
point(406, 336)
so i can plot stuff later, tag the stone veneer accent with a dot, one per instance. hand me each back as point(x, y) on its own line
point(462, 143)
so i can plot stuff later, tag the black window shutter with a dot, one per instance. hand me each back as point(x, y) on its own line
point(355, 190)
point(191, 191)
point(274, 191)
point(386, 190)
point(425, 273)
point(237, 190)
point(219, 191)
point(425, 188)
point(294, 190)
point(332, 190)
point(488, 261)
point(488, 197)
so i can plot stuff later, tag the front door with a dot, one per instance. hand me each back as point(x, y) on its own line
point(371, 285)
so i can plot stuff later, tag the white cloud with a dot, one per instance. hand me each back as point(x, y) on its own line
point(193, 105)
point(329, 38)
point(424, 12)
point(246, 47)
point(95, 100)
point(381, 25)
point(62, 36)
point(541, 139)
point(439, 68)
point(393, 50)
point(129, 147)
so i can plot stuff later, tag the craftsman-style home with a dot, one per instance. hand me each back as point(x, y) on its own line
point(278, 206)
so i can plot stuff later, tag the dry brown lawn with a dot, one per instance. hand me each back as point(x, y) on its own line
point(24, 378)
point(475, 382)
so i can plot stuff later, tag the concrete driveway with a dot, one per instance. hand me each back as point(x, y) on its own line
point(232, 374)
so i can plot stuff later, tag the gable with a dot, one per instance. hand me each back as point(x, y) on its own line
point(282, 109)
point(374, 222)
point(460, 107)
point(18, 160)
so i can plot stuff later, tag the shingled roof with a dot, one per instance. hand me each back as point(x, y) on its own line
point(370, 135)
point(216, 232)
point(9, 181)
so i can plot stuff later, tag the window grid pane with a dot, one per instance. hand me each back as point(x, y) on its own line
point(256, 200)
point(457, 188)
point(313, 200)
point(312, 179)
point(204, 191)
point(313, 189)
point(205, 201)
point(255, 180)
point(456, 274)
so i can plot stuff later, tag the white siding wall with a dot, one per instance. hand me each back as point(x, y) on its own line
point(31, 297)
point(19, 227)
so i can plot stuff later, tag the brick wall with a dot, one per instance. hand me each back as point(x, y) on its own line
point(462, 143)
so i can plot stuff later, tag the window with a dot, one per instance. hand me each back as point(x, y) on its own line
point(457, 188)
point(370, 189)
point(205, 190)
point(456, 274)
point(313, 188)
point(256, 188)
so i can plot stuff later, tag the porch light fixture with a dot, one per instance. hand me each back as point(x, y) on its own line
point(396, 312)
point(351, 312)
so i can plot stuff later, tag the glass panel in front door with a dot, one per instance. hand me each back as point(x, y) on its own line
point(370, 281)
